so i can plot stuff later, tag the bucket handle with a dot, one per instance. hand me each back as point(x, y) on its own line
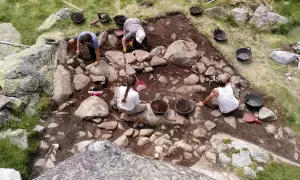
point(217, 29)
point(248, 48)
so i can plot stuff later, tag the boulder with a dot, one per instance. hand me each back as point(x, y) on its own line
point(103, 69)
point(209, 125)
point(199, 133)
point(17, 137)
point(192, 79)
point(141, 55)
point(80, 81)
point(146, 132)
point(92, 107)
point(215, 12)
point(158, 61)
point(283, 57)
point(249, 173)
point(130, 58)
point(54, 18)
point(210, 71)
point(115, 57)
point(9, 174)
point(271, 129)
point(266, 114)
point(129, 70)
point(241, 159)
point(207, 61)
point(97, 160)
point(158, 51)
point(10, 34)
point(62, 84)
point(102, 38)
point(274, 18)
point(260, 17)
point(182, 53)
point(240, 14)
point(187, 90)
point(201, 67)
point(290, 133)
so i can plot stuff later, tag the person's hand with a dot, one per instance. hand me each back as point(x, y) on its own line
point(200, 103)
point(130, 43)
point(77, 52)
point(124, 50)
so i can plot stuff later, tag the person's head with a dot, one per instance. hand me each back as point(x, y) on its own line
point(86, 38)
point(140, 36)
point(131, 80)
point(223, 79)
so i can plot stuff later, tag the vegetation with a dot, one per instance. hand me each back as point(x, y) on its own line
point(276, 171)
point(227, 141)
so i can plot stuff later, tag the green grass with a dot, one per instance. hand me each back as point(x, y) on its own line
point(276, 171)
point(227, 141)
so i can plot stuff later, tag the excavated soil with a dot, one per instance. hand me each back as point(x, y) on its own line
point(161, 36)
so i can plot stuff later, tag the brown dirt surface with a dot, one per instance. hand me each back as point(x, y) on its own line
point(70, 125)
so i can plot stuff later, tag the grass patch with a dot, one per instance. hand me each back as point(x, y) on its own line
point(239, 171)
point(227, 141)
point(235, 151)
point(276, 171)
point(245, 149)
point(43, 104)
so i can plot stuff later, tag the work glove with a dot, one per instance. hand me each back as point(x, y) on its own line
point(130, 43)
point(124, 50)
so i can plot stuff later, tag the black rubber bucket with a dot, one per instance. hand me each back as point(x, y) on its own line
point(184, 107)
point(253, 101)
point(244, 54)
point(159, 107)
point(219, 35)
point(77, 17)
point(195, 11)
point(120, 20)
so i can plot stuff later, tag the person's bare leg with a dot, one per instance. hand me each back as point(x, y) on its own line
point(72, 46)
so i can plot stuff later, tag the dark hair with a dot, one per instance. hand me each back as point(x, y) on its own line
point(131, 80)
point(222, 84)
point(87, 37)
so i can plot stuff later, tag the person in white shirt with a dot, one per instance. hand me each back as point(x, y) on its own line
point(127, 100)
point(227, 102)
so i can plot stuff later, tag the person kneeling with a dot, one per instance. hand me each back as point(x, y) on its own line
point(227, 102)
point(127, 100)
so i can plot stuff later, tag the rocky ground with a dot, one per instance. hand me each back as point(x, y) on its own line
point(179, 63)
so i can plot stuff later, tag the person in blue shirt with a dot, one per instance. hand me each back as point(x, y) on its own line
point(91, 40)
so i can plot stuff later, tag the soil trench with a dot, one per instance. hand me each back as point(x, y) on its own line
point(164, 27)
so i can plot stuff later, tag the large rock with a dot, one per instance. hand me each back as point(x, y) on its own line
point(62, 84)
point(141, 55)
point(17, 137)
point(274, 18)
point(182, 53)
point(10, 34)
point(31, 108)
point(260, 17)
point(241, 159)
point(54, 18)
point(266, 114)
point(129, 70)
point(9, 174)
point(192, 79)
point(240, 14)
point(283, 57)
point(201, 67)
point(130, 58)
point(158, 51)
point(187, 90)
point(80, 81)
point(113, 41)
point(231, 121)
point(115, 57)
point(103, 69)
point(102, 38)
point(158, 61)
point(99, 159)
point(215, 12)
point(92, 107)
point(6, 116)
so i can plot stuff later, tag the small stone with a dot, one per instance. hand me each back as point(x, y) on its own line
point(130, 58)
point(106, 136)
point(296, 156)
point(228, 70)
point(183, 145)
point(271, 129)
point(90, 135)
point(142, 141)
point(224, 159)
point(152, 138)
point(173, 36)
point(199, 133)
point(249, 173)
point(163, 79)
point(159, 149)
point(55, 146)
point(122, 141)
point(259, 168)
point(266, 114)
point(187, 155)
point(146, 132)
point(81, 134)
point(172, 131)
point(211, 156)
point(242, 107)
point(44, 145)
point(261, 141)
point(216, 113)
point(151, 28)
point(209, 125)
point(52, 125)
point(40, 162)
point(196, 154)
point(101, 79)
point(49, 164)
point(163, 127)
point(97, 120)
point(52, 157)
point(121, 127)
point(98, 133)
point(231, 121)
point(70, 61)
point(129, 132)
point(210, 71)
point(135, 133)
point(109, 125)
point(158, 61)
point(191, 80)
point(39, 128)
point(148, 69)
point(202, 79)
point(290, 133)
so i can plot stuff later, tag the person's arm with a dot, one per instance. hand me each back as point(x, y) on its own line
point(214, 93)
point(78, 46)
point(97, 52)
point(124, 44)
